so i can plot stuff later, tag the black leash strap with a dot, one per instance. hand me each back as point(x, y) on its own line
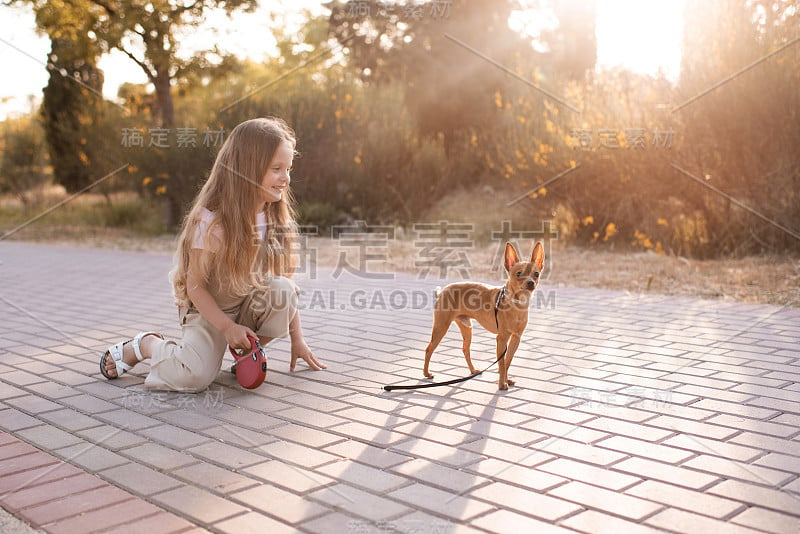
point(445, 383)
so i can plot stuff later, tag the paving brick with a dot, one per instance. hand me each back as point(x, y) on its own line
point(372, 434)
point(159, 523)
point(253, 523)
point(713, 447)
point(577, 451)
point(367, 477)
point(50, 491)
point(591, 474)
point(761, 519)
point(783, 446)
point(615, 426)
point(13, 420)
point(309, 417)
point(91, 457)
point(197, 504)
point(553, 428)
point(765, 497)
point(140, 479)
point(502, 521)
point(15, 448)
point(705, 429)
point(680, 521)
point(158, 456)
point(177, 438)
point(18, 480)
point(458, 457)
point(645, 449)
point(26, 462)
point(604, 499)
point(109, 516)
point(686, 499)
point(595, 522)
point(735, 409)
point(292, 477)
point(600, 407)
point(214, 478)
point(70, 420)
point(668, 473)
point(518, 475)
point(358, 502)
point(310, 437)
point(367, 454)
point(738, 470)
point(75, 504)
point(48, 437)
point(297, 454)
point(773, 427)
point(779, 461)
point(439, 502)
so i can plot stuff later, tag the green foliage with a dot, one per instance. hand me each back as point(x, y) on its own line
point(399, 124)
point(23, 159)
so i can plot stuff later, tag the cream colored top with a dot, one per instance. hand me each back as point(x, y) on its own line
point(228, 303)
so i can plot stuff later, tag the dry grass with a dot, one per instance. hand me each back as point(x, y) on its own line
point(763, 279)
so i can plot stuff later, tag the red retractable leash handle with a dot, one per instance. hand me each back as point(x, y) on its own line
point(251, 366)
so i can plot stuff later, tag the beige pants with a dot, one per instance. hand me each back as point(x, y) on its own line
point(193, 364)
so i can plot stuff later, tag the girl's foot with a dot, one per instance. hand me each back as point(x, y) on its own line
point(120, 358)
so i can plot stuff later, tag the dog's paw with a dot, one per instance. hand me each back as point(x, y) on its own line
point(511, 382)
point(502, 386)
point(429, 375)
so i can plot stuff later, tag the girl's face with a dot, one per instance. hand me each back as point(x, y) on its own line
point(276, 180)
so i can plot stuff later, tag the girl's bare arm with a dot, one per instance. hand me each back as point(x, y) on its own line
point(235, 334)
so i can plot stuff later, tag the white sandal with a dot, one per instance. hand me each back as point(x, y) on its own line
point(115, 351)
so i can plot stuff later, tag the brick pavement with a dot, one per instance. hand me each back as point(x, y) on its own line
point(631, 414)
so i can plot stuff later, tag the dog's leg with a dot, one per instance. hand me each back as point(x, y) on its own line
point(513, 344)
point(502, 364)
point(440, 326)
point(465, 325)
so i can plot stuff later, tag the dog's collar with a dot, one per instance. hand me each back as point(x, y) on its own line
point(500, 295)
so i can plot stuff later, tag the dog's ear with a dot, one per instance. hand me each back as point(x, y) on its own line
point(512, 256)
point(537, 258)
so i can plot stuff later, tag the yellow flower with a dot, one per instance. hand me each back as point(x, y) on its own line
point(147, 180)
point(586, 221)
point(611, 230)
point(662, 222)
point(543, 191)
point(357, 159)
point(161, 189)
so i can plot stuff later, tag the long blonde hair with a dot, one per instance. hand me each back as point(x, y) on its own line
point(231, 193)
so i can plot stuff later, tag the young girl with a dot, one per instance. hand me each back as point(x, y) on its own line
point(234, 256)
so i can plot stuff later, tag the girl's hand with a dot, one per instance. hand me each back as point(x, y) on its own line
point(236, 336)
point(301, 351)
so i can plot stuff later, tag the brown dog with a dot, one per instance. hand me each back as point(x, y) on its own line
point(500, 310)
